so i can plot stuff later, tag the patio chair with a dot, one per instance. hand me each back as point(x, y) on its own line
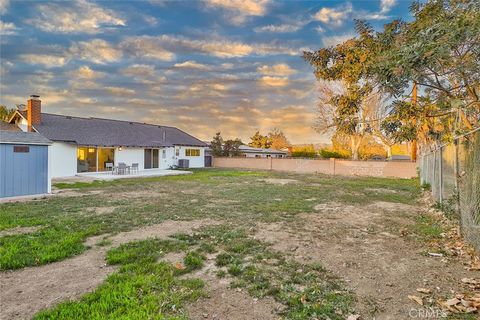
point(109, 166)
point(122, 168)
point(134, 167)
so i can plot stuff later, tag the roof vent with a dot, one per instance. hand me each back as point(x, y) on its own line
point(68, 117)
point(131, 122)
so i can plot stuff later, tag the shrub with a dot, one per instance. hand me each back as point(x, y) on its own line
point(327, 154)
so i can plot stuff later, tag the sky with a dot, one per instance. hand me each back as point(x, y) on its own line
point(202, 66)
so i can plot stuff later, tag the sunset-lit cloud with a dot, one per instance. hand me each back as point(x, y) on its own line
point(334, 16)
point(190, 64)
point(237, 11)
point(96, 50)
point(274, 81)
point(48, 61)
point(78, 16)
point(202, 66)
point(281, 69)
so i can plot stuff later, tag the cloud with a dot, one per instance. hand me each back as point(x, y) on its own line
point(119, 91)
point(4, 6)
point(97, 51)
point(331, 41)
point(147, 47)
point(137, 70)
point(79, 16)
point(281, 69)
point(334, 16)
point(85, 72)
point(7, 28)
point(237, 11)
point(279, 28)
point(387, 5)
point(190, 64)
point(47, 60)
point(274, 81)
point(163, 47)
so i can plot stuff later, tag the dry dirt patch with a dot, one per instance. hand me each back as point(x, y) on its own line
point(279, 181)
point(359, 245)
point(25, 292)
point(18, 230)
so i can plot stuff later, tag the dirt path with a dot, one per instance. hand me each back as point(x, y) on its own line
point(364, 246)
point(24, 292)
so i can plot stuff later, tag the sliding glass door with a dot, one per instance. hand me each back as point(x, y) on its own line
point(86, 159)
point(105, 155)
point(150, 158)
point(92, 159)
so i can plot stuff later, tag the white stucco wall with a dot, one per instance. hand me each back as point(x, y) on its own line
point(129, 156)
point(169, 159)
point(63, 160)
point(195, 162)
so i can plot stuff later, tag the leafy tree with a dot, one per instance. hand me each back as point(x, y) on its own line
point(5, 113)
point(231, 147)
point(278, 140)
point(344, 108)
point(439, 51)
point(216, 145)
point(259, 141)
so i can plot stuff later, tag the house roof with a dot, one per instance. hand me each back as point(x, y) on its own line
point(20, 137)
point(5, 126)
point(111, 133)
point(248, 149)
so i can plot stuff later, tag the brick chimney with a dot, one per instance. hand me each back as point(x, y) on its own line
point(34, 111)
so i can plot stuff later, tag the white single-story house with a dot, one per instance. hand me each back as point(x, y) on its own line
point(251, 152)
point(89, 144)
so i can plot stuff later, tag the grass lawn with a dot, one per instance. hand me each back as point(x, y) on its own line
point(144, 286)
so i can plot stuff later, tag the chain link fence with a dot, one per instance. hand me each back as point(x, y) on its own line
point(453, 173)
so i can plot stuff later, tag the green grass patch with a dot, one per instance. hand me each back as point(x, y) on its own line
point(142, 289)
point(240, 197)
point(427, 227)
point(193, 260)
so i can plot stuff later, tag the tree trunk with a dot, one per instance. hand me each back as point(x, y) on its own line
point(389, 151)
point(355, 145)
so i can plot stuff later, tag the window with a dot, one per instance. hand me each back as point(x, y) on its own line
point(192, 152)
point(177, 152)
point(21, 149)
point(164, 154)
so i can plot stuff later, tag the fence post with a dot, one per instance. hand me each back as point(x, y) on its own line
point(455, 172)
point(441, 173)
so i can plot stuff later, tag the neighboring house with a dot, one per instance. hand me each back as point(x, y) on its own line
point(24, 163)
point(250, 152)
point(89, 144)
